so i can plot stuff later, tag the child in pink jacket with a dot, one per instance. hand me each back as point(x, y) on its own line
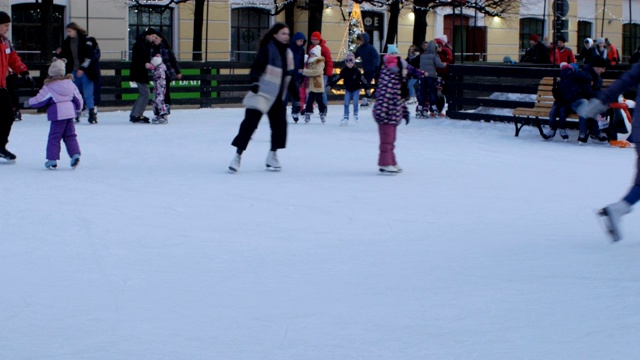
point(62, 100)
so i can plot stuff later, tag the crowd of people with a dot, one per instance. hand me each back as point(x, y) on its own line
point(283, 72)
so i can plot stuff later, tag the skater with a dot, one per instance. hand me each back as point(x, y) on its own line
point(370, 64)
point(62, 99)
point(83, 54)
point(413, 58)
point(317, 40)
point(429, 62)
point(139, 73)
point(160, 108)
point(9, 59)
point(271, 76)
point(587, 53)
point(537, 53)
point(613, 213)
point(297, 48)
point(390, 108)
point(315, 87)
point(160, 45)
point(353, 83)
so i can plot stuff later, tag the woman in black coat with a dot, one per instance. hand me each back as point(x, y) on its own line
point(140, 56)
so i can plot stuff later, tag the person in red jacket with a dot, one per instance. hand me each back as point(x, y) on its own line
point(612, 52)
point(563, 53)
point(316, 40)
point(9, 59)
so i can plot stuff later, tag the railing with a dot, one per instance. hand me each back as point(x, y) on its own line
point(203, 83)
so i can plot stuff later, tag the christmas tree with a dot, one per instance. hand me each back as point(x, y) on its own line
point(355, 27)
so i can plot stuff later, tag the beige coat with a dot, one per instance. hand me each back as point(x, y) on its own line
point(315, 71)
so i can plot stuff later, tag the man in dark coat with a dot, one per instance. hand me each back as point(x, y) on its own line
point(140, 75)
point(370, 62)
point(537, 53)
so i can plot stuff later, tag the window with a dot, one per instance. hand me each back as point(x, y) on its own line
point(157, 17)
point(528, 27)
point(584, 31)
point(630, 40)
point(247, 27)
point(25, 29)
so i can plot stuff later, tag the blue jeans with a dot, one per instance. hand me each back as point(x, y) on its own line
point(348, 97)
point(411, 84)
point(585, 125)
point(85, 85)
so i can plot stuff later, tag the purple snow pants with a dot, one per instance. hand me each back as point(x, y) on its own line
point(387, 144)
point(62, 130)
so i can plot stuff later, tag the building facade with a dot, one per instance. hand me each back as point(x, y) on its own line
point(232, 28)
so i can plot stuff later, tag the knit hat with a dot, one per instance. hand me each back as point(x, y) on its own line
point(58, 68)
point(315, 51)
point(316, 35)
point(444, 38)
point(599, 61)
point(350, 56)
point(565, 66)
point(588, 41)
point(534, 38)
point(150, 31)
point(439, 41)
point(156, 60)
point(392, 49)
point(600, 41)
point(4, 18)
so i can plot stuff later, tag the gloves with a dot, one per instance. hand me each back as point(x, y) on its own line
point(26, 104)
point(255, 87)
point(28, 79)
point(591, 109)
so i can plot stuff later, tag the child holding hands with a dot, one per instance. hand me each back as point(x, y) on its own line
point(160, 108)
point(62, 99)
point(353, 83)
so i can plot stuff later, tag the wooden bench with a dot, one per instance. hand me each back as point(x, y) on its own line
point(540, 112)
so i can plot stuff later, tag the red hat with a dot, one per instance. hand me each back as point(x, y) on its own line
point(316, 35)
point(534, 38)
point(439, 41)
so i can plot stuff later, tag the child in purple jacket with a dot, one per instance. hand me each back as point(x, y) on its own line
point(62, 99)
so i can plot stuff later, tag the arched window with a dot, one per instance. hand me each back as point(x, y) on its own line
point(528, 27)
point(25, 29)
point(585, 30)
point(247, 27)
point(630, 39)
point(158, 17)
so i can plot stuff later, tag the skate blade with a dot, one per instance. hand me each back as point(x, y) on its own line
point(603, 218)
point(273, 168)
point(232, 170)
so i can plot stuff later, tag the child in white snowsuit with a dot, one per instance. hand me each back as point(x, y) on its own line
point(159, 90)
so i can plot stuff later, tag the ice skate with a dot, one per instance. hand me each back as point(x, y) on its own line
point(8, 156)
point(564, 135)
point(75, 161)
point(549, 134)
point(272, 161)
point(160, 120)
point(295, 118)
point(235, 164)
point(51, 164)
point(344, 121)
point(307, 118)
point(323, 118)
point(612, 216)
point(389, 170)
point(93, 116)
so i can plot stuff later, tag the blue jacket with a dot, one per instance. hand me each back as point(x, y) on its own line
point(369, 55)
point(298, 55)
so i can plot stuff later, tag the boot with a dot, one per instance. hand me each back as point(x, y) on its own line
point(93, 117)
point(549, 134)
point(272, 161)
point(564, 135)
point(7, 155)
point(612, 215)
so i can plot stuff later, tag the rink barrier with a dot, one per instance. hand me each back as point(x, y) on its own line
point(204, 84)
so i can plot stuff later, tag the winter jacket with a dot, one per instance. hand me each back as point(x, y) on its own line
point(430, 60)
point(314, 71)
point(9, 59)
point(326, 54)
point(88, 55)
point(60, 96)
point(139, 58)
point(564, 55)
point(587, 53)
point(168, 58)
point(612, 55)
point(628, 80)
point(584, 84)
point(390, 107)
point(352, 79)
point(298, 55)
point(368, 54)
point(537, 54)
point(272, 71)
